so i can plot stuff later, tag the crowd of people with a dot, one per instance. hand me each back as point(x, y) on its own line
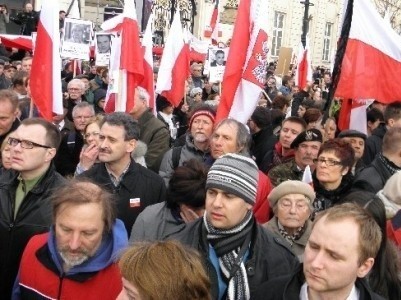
point(180, 205)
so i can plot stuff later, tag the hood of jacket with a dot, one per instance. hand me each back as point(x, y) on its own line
point(109, 250)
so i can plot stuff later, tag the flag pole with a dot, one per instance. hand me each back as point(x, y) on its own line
point(31, 104)
point(74, 65)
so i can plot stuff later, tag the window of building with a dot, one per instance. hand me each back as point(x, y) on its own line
point(327, 41)
point(277, 33)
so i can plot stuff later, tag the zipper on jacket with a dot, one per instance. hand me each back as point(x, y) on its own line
point(60, 286)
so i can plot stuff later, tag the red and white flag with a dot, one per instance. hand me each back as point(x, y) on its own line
point(353, 115)
point(16, 41)
point(148, 79)
point(174, 65)
point(307, 176)
point(372, 57)
point(215, 23)
point(131, 71)
point(304, 68)
point(246, 65)
point(46, 83)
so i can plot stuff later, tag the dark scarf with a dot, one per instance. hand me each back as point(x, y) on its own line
point(230, 246)
point(291, 238)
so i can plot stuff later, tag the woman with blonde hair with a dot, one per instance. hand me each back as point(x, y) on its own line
point(162, 271)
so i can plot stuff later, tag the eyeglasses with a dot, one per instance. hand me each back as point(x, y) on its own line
point(25, 144)
point(328, 162)
point(94, 134)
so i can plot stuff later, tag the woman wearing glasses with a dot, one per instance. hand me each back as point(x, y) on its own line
point(332, 179)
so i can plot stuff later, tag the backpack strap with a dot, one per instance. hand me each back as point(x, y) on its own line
point(176, 156)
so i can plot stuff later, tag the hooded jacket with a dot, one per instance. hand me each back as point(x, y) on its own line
point(41, 273)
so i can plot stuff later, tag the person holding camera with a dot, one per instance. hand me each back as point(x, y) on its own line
point(4, 18)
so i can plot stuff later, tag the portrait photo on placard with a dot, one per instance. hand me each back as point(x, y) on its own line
point(218, 57)
point(103, 42)
point(77, 31)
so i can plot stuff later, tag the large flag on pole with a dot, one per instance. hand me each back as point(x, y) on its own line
point(304, 68)
point(131, 57)
point(148, 79)
point(46, 83)
point(246, 65)
point(370, 56)
point(174, 65)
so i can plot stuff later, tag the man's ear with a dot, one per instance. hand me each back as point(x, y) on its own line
point(365, 267)
point(51, 153)
point(131, 145)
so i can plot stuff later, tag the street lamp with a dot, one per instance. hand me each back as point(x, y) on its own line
point(305, 24)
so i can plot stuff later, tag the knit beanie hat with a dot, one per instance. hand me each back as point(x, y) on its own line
point(392, 188)
point(235, 174)
point(291, 187)
point(202, 112)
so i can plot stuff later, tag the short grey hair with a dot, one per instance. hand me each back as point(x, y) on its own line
point(143, 94)
point(83, 105)
point(243, 136)
point(77, 82)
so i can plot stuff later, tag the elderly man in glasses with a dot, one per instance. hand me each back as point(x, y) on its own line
point(24, 193)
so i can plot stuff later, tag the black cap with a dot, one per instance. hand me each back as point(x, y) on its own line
point(311, 135)
point(352, 133)
point(162, 103)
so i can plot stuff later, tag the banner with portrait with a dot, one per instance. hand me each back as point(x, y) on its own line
point(76, 39)
point(103, 42)
point(217, 58)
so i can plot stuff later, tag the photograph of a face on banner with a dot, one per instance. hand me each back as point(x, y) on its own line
point(77, 38)
point(217, 59)
point(103, 46)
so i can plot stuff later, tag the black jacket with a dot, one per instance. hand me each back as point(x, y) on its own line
point(288, 288)
point(373, 177)
point(13, 127)
point(269, 257)
point(373, 144)
point(262, 142)
point(28, 21)
point(34, 217)
point(67, 157)
point(138, 183)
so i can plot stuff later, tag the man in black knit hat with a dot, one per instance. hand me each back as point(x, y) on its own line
point(238, 253)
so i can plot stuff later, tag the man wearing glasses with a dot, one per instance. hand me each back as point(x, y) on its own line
point(24, 193)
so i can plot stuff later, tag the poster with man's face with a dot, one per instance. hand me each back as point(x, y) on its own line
point(103, 48)
point(217, 63)
point(76, 39)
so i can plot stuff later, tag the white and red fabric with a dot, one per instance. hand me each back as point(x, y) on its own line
point(174, 65)
point(304, 68)
point(215, 23)
point(114, 73)
point(307, 176)
point(131, 71)
point(353, 115)
point(17, 41)
point(372, 60)
point(246, 65)
point(148, 78)
point(46, 83)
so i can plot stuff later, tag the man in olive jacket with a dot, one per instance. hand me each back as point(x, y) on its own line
point(24, 193)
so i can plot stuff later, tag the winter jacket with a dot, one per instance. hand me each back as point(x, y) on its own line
point(27, 20)
point(298, 246)
point(289, 287)
point(67, 157)
point(41, 273)
point(138, 189)
point(262, 142)
point(34, 216)
point(156, 135)
point(268, 257)
point(325, 198)
point(156, 223)
point(188, 151)
point(373, 144)
point(373, 177)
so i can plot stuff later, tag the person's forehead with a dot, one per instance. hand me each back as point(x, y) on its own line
point(227, 129)
point(292, 125)
point(112, 130)
point(83, 111)
point(30, 131)
point(310, 143)
point(293, 197)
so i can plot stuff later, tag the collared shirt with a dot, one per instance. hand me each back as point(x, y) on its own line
point(303, 294)
point(116, 181)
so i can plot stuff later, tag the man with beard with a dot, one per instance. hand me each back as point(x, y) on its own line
point(77, 258)
point(134, 186)
point(306, 145)
point(196, 142)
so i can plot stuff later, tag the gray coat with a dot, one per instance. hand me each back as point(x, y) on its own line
point(155, 223)
point(188, 152)
point(4, 18)
point(298, 247)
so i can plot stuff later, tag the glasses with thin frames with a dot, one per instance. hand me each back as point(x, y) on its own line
point(25, 143)
point(328, 162)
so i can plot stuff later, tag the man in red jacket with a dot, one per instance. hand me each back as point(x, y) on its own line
point(76, 259)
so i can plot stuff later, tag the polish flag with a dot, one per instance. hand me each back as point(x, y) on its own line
point(16, 41)
point(304, 69)
point(215, 23)
point(46, 83)
point(148, 79)
point(246, 65)
point(353, 115)
point(174, 65)
point(371, 58)
point(114, 72)
point(131, 71)
point(307, 176)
